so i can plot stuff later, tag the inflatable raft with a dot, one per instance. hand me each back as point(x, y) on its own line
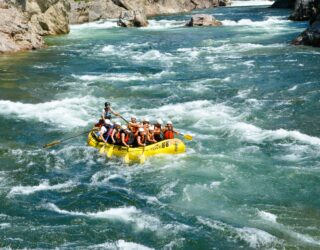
point(138, 154)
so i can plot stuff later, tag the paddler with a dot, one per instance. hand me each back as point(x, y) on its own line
point(141, 138)
point(134, 125)
point(115, 136)
point(126, 136)
point(107, 111)
point(105, 130)
point(168, 131)
point(150, 136)
point(158, 130)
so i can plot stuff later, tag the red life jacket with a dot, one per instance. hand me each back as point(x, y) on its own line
point(168, 134)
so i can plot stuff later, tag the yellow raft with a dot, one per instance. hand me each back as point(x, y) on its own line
point(139, 154)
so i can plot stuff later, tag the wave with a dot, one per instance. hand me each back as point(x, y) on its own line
point(43, 186)
point(126, 214)
point(65, 113)
point(124, 77)
point(164, 24)
point(95, 25)
point(120, 245)
point(251, 3)
point(267, 216)
point(269, 22)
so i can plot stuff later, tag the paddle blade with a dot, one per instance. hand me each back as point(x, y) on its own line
point(110, 152)
point(142, 158)
point(126, 159)
point(102, 149)
point(51, 144)
point(188, 137)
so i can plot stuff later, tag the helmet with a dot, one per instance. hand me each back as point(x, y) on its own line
point(118, 123)
point(124, 127)
point(107, 121)
point(169, 122)
point(141, 130)
point(133, 117)
point(107, 104)
point(146, 120)
point(159, 121)
point(151, 128)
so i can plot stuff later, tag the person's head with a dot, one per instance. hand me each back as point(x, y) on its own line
point(117, 125)
point(146, 122)
point(107, 104)
point(133, 119)
point(107, 122)
point(124, 127)
point(169, 124)
point(159, 122)
point(141, 131)
point(151, 129)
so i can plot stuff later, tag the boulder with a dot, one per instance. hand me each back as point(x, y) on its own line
point(203, 20)
point(303, 10)
point(310, 36)
point(132, 18)
point(283, 4)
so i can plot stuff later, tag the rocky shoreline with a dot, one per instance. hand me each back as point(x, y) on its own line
point(25, 22)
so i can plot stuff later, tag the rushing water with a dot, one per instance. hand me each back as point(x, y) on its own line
point(249, 179)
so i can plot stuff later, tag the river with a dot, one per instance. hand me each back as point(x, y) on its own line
point(249, 179)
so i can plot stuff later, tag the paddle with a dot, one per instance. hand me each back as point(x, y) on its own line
point(142, 156)
point(187, 137)
point(54, 143)
point(110, 151)
point(122, 118)
point(126, 158)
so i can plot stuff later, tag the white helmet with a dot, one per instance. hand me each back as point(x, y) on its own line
point(169, 122)
point(133, 117)
point(151, 128)
point(107, 121)
point(146, 120)
point(141, 130)
point(118, 123)
point(159, 121)
point(124, 127)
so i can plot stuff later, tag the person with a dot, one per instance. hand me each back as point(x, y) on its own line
point(169, 131)
point(107, 112)
point(145, 125)
point(134, 125)
point(126, 136)
point(150, 136)
point(158, 130)
point(105, 130)
point(115, 135)
point(141, 138)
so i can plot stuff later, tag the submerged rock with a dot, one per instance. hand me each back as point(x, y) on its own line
point(132, 18)
point(310, 36)
point(203, 20)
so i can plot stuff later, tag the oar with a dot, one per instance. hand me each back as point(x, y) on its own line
point(142, 156)
point(122, 118)
point(187, 137)
point(53, 143)
point(110, 151)
point(126, 158)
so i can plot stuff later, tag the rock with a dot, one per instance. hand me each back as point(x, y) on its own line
point(203, 20)
point(132, 18)
point(283, 4)
point(303, 10)
point(310, 36)
point(16, 33)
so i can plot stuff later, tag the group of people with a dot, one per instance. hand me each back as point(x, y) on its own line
point(135, 133)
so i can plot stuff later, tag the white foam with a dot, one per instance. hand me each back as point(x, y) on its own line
point(251, 133)
point(120, 245)
point(268, 23)
point(268, 216)
point(108, 24)
point(164, 24)
point(126, 214)
point(43, 186)
point(293, 88)
point(251, 3)
point(5, 225)
point(256, 238)
point(67, 113)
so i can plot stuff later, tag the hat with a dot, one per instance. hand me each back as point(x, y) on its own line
point(107, 121)
point(141, 130)
point(159, 121)
point(133, 117)
point(124, 127)
point(118, 123)
point(151, 128)
point(169, 122)
point(146, 120)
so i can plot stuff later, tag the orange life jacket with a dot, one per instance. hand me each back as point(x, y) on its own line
point(168, 134)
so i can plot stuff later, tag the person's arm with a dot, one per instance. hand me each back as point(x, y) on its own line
point(176, 132)
point(123, 140)
point(112, 136)
point(101, 133)
point(113, 112)
point(139, 141)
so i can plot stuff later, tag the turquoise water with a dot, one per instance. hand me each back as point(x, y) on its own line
point(249, 179)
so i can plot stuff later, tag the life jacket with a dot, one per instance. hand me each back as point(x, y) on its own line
point(107, 114)
point(134, 129)
point(168, 134)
